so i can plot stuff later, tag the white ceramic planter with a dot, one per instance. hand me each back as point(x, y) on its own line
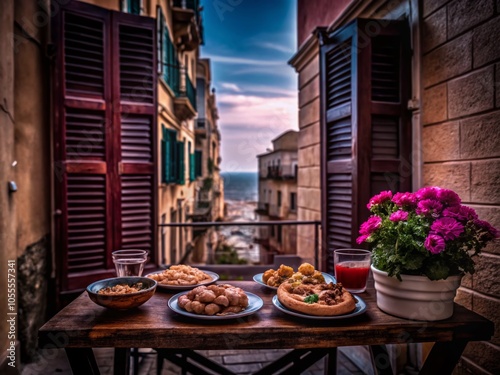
point(416, 297)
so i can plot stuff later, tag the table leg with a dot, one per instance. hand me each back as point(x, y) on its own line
point(82, 361)
point(444, 357)
point(121, 365)
point(331, 361)
point(381, 360)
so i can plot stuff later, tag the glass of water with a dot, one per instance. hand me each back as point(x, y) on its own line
point(129, 262)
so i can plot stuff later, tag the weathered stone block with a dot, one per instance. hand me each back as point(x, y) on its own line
point(309, 177)
point(434, 30)
point(489, 308)
point(309, 92)
point(455, 176)
point(309, 198)
point(448, 61)
point(309, 72)
point(32, 303)
point(467, 281)
point(309, 113)
point(485, 42)
point(435, 104)
point(485, 181)
point(471, 94)
point(309, 156)
point(309, 135)
point(464, 298)
point(431, 5)
point(441, 142)
point(486, 278)
point(484, 355)
point(480, 136)
point(465, 14)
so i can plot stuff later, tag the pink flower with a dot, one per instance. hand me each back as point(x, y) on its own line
point(427, 193)
point(404, 199)
point(370, 225)
point(428, 206)
point(434, 243)
point(461, 213)
point(488, 227)
point(399, 216)
point(448, 228)
point(380, 198)
point(362, 238)
point(448, 197)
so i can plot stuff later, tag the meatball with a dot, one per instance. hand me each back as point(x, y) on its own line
point(212, 309)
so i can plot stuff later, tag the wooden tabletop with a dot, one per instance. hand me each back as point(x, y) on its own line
point(83, 324)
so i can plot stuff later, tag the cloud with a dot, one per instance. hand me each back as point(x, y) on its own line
point(242, 60)
point(230, 86)
point(248, 123)
point(276, 47)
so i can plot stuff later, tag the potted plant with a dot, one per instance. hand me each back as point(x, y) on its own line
point(422, 244)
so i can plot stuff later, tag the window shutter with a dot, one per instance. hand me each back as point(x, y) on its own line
point(181, 163)
point(192, 176)
point(365, 128)
point(104, 140)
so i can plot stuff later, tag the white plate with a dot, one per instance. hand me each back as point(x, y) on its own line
point(258, 279)
point(254, 304)
point(360, 309)
point(213, 275)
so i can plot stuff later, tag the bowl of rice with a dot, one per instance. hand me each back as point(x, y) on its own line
point(122, 293)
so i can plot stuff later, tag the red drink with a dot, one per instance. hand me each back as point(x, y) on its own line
point(352, 275)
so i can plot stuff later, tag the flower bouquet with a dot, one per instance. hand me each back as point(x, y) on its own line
point(428, 233)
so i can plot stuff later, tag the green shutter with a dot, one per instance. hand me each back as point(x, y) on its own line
point(192, 175)
point(170, 156)
point(181, 163)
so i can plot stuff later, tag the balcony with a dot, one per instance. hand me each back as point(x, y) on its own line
point(185, 94)
point(280, 172)
point(202, 127)
point(262, 208)
point(188, 28)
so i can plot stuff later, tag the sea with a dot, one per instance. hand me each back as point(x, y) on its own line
point(240, 186)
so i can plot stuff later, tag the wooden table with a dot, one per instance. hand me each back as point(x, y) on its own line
point(83, 325)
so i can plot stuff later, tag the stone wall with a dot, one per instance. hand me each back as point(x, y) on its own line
point(309, 177)
point(461, 138)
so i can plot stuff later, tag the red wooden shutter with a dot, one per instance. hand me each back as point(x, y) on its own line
point(365, 132)
point(93, 145)
point(135, 84)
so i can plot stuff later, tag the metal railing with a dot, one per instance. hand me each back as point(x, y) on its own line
point(267, 238)
point(280, 172)
point(175, 75)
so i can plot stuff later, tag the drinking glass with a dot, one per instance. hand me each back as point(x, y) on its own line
point(351, 268)
point(129, 262)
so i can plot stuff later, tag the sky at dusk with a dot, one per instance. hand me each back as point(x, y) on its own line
point(249, 43)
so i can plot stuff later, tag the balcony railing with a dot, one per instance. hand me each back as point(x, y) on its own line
point(177, 78)
point(181, 6)
point(269, 240)
point(281, 172)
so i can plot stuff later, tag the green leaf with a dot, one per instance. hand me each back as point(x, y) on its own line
point(311, 299)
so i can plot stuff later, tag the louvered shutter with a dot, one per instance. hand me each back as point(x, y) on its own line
point(198, 160)
point(365, 132)
point(97, 139)
point(181, 172)
point(135, 112)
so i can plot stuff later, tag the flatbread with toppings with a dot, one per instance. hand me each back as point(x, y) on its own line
point(320, 299)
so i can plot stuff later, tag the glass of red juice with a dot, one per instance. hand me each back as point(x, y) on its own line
point(352, 267)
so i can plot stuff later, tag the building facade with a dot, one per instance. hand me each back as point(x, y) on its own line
point(98, 143)
point(278, 196)
point(426, 115)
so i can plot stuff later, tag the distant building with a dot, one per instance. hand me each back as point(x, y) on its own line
point(278, 196)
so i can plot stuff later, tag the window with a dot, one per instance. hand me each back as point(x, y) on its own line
point(132, 6)
point(192, 172)
point(293, 201)
point(102, 210)
point(366, 78)
point(172, 158)
point(168, 65)
point(279, 199)
point(198, 158)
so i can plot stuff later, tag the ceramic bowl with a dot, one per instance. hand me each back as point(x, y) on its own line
point(122, 301)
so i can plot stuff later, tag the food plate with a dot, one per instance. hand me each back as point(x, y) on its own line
point(258, 279)
point(254, 304)
point(360, 309)
point(213, 275)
